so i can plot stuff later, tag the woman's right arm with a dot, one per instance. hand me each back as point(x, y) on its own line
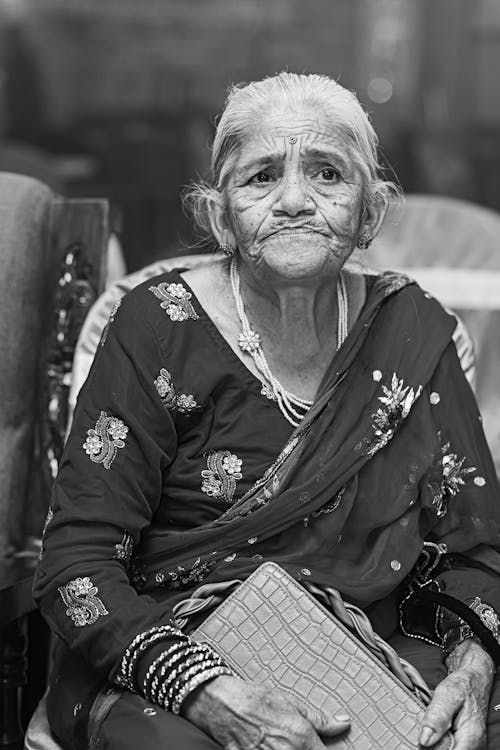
point(109, 486)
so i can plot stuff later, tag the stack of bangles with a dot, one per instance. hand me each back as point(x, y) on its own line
point(176, 672)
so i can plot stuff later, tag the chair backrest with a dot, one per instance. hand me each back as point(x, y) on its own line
point(452, 248)
point(52, 253)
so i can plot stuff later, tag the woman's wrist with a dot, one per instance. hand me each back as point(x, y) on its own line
point(469, 653)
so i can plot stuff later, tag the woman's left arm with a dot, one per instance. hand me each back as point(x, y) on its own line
point(466, 501)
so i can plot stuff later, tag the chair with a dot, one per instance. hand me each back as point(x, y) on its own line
point(53, 259)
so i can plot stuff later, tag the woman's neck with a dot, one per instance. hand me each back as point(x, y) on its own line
point(301, 319)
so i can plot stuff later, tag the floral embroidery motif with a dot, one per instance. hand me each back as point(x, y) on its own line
point(397, 402)
point(180, 576)
point(395, 281)
point(219, 479)
point(488, 616)
point(454, 472)
point(102, 442)
point(185, 403)
point(165, 388)
point(452, 479)
point(83, 605)
point(175, 300)
point(125, 549)
point(111, 318)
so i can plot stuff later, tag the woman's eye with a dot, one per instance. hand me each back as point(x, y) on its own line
point(330, 175)
point(261, 177)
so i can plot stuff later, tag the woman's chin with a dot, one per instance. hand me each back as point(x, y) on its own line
point(298, 259)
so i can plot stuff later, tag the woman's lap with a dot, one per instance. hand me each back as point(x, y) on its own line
point(133, 723)
point(124, 721)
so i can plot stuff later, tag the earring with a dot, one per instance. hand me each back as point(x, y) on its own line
point(364, 241)
point(227, 249)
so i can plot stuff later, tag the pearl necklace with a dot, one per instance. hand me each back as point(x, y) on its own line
point(292, 407)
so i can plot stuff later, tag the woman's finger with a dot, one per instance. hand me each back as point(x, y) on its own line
point(440, 712)
point(470, 736)
point(323, 724)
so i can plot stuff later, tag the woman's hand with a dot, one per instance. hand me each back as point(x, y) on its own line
point(460, 701)
point(241, 715)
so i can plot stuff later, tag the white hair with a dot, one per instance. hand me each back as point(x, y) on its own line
point(246, 103)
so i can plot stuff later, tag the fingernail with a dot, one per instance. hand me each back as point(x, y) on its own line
point(426, 736)
point(342, 717)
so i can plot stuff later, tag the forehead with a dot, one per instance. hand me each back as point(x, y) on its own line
point(310, 126)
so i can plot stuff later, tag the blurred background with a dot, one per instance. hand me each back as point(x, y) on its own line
point(117, 98)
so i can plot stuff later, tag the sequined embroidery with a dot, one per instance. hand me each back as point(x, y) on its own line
point(180, 576)
point(82, 603)
point(452, 479)
point(488, 616)
point(175, 300)
point(48, 519)
point(111, 318)
point(102, 442)
point(185, 403)
point(165, 388)
point(219, 479)
point(395, 281)
point(397, 401)
point(125, 549)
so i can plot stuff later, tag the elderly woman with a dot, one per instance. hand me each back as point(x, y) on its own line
point(271, 405)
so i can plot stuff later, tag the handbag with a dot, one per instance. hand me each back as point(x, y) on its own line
point(271, 630)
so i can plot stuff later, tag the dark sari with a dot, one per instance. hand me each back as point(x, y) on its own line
point(390, 457)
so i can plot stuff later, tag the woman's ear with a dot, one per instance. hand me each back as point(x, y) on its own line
point(219, 222)
point(373, 216)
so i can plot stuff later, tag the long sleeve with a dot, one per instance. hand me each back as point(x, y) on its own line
point(109, 487)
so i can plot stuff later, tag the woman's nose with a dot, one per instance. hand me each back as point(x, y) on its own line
point(293, 197)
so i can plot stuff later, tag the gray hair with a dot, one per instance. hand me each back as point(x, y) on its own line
point(246, 102)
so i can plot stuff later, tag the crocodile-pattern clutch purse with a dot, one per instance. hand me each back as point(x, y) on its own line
point(272, 631)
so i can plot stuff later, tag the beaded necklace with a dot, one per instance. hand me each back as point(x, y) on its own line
point(292, 407)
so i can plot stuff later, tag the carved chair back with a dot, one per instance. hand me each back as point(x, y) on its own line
point(53, 253)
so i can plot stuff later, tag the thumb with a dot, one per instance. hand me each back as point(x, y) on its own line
point(323, 724)
point(439, 716)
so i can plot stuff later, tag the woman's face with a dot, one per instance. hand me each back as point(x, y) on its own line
point(294, 198)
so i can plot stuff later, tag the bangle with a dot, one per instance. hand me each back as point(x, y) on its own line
point(151, 678)
point(125, 678)
point(194, 656)
point(187, 657)
point(195, 682)
point(186, 677)
point(454, 637)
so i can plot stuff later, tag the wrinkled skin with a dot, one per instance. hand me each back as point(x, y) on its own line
point(293, 206)
point(294, 210)
point(461, 700)
point(243, 716)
